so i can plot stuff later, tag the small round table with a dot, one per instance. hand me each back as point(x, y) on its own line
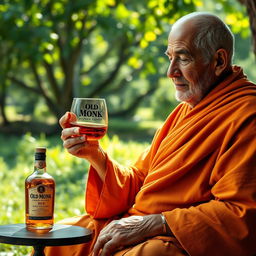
point(60, 235)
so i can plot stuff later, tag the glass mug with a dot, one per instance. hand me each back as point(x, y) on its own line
point(91, 117)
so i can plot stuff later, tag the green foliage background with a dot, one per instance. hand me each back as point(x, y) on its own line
point(122, 45)
point(69, 173)
point(54, 50)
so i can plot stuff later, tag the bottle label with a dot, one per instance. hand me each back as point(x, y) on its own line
point(40, 202)
point(91, 112)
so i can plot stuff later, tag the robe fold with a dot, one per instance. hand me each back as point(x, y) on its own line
point(200, 172)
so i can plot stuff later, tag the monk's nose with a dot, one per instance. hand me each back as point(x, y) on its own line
point(173, 71)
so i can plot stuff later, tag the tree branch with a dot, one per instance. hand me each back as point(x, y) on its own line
point(72, 60)
point(133, 104)
point(77, 50)
point(7, 66)
point(100, 59)
point(124, 81)
point(123, 56)
point(39, 90)
point(23, 85)
point(52, 80)
point(60, 40)
point(38, 79)
point(3, 102)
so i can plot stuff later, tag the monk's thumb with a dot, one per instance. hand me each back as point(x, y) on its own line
point(65, 120)
point(71, 117)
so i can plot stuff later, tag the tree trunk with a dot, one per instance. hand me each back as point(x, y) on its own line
point(2, 104)
point(251, 10)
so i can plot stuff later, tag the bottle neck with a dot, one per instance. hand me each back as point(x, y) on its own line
point(40, 166)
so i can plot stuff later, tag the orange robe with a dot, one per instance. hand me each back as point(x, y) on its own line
point(200, 172)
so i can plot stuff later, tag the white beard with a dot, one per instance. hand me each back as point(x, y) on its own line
point(194, 95)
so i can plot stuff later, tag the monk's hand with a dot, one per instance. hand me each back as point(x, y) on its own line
point(127, 231)
point(75, 142)
point(77, 145)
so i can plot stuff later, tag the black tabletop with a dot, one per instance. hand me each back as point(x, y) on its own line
point(59, 235)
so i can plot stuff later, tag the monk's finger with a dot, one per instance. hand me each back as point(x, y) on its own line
point(73, 141)
point(101, 241)
point(69, 132)
point(77, 150)
point(109, 248)
point(64, 120)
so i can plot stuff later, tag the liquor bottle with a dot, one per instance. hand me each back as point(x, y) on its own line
point(39, 196)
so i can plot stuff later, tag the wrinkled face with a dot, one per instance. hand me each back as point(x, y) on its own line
point(192, 77)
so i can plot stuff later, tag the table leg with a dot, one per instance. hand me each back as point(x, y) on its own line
point(38, 250)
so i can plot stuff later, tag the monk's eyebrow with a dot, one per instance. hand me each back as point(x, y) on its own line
point(183, 52)
point(179, 52)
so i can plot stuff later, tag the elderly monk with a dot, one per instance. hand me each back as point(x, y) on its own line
point(193, 192)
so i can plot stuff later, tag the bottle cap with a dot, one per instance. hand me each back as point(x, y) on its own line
point(40, 149)
point(40, 153)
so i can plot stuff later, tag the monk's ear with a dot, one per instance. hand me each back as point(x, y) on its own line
point(220, 61)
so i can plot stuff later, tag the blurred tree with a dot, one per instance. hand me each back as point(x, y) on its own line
point(251, 11)
point(59, 49)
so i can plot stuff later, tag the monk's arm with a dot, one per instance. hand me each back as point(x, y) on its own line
point(116, 193)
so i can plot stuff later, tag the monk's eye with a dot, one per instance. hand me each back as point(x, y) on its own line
point(184, 60)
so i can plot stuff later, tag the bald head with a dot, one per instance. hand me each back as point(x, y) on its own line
point(208, 33)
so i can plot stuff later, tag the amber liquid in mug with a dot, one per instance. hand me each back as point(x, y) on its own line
point(92, 131)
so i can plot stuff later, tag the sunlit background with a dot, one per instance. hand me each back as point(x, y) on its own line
point(54, 50)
